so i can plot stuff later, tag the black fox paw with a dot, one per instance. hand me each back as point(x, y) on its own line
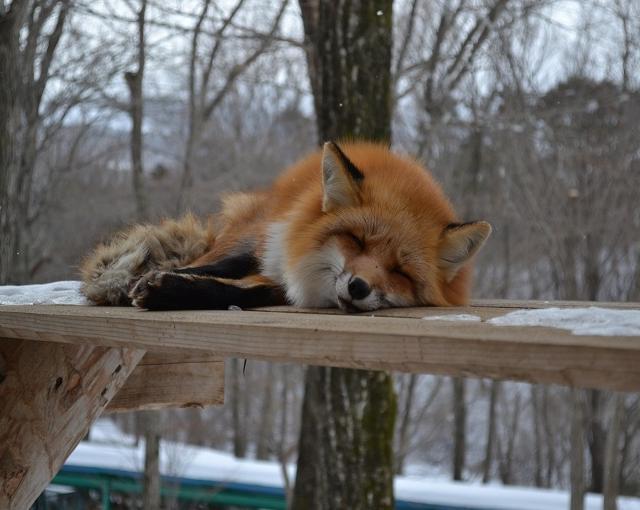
point(148, 291)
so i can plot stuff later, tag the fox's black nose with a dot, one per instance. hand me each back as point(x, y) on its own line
point(358, 288)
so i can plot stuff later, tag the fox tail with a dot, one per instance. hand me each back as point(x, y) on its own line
point(111, 270)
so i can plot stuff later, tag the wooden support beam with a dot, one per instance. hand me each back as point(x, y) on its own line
point(390, 340)
point(172, 380)
point(50, 393)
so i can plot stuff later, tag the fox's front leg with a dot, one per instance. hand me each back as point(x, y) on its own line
point(234, 267)
point(161, 290)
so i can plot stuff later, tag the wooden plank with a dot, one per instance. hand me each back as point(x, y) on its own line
point(476, 306)
point(50, 393)
point(537, 303)
point(172, 380)
point(534, 354)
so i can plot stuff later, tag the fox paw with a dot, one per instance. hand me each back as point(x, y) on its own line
point(148, 292)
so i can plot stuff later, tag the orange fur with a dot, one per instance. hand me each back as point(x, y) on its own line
point(399, 197)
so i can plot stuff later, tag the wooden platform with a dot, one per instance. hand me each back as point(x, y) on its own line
point(391, 340)
point(61, 366)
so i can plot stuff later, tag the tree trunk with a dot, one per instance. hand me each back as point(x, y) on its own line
point(631, 427)
point(506, 272)
point(239, 427)
point(537, 434)
point(284, 411)
point(345, 458)
point(491, 431)
point(285, 452)
point(549, 438)
point(134, 82)
point(403, 433)
point(506, 465)
point(612, 456)
point(596, 438)
point(591, 276)
point(265, 431)
point(459, 426)
point(194, 111)
point(151, 488)
point(348, 49)
point(345, 449)
point(10, 126)
point(577, 451)
point(25, 72)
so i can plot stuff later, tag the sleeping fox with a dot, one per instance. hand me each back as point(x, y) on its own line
point(356, 227)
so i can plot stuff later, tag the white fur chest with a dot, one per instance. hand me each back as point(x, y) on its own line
point(311, 282)
point(273, 260)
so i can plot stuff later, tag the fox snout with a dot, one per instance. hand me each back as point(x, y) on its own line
point(355, 294)
point(358, 288)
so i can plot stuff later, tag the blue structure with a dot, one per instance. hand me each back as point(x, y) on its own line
point(108, 484)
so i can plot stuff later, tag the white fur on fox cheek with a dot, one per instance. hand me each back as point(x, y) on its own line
point(312, 282)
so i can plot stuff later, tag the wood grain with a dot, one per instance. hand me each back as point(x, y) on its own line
point(162, 381)
point(50, 393)
point(404, 343)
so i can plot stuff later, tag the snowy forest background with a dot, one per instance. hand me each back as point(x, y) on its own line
point(526, 111)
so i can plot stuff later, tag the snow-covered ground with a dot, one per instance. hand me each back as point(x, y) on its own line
point(109, 448)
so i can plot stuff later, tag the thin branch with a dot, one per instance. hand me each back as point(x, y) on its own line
point(193, 58)
point(240, 68)
point(52, 43)
point(485, 24)
point(216, 47)
point(408, 33)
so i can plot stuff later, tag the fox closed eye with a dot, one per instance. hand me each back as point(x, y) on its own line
point(400, 272)
point(359, 242)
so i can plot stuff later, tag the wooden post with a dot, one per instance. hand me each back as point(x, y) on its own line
point(50, 393)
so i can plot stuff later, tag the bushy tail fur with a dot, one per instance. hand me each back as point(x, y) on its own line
point(110, 271)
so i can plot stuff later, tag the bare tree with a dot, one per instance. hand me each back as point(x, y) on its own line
point(11, 21)
point(577, 450)
point(406, 397)
point(266, 419)
point(537, 434)
point(510, 431)
point(549, 435)
point(612, 454)
point(26, 70)
point(237, 400)
point(630, 455)
point(596, 437)
point(202, 102)
point(410, 421)
point(134, 81)
point(491, 431)
point(459, 427)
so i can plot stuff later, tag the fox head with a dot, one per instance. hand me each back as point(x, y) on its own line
point(374, 231)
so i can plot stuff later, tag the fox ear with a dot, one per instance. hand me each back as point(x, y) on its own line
point(460, 242)
point(340, 179)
